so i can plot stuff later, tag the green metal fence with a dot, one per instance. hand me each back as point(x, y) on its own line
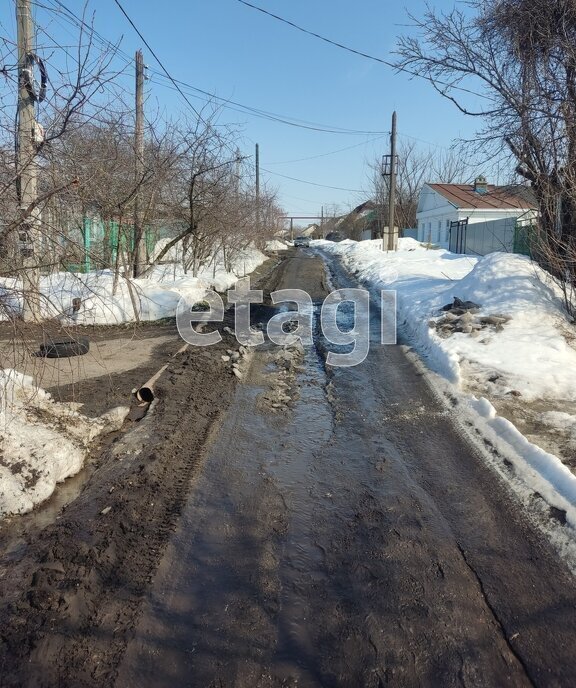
point(102, 241)
point(525, 239)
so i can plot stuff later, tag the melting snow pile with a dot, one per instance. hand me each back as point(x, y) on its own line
point(277, 245)
point(517, 344)
point(108, 300)
point(41, 442)
point(529, 352)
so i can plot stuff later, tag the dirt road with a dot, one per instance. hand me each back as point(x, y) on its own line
point(309, 527)
point(350, 538)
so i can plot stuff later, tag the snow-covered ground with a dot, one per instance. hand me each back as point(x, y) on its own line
point(42, 442)
point(106, 300)
point(517, 349)
point(277, 245)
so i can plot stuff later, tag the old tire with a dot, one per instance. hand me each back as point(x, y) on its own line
point(65, 348)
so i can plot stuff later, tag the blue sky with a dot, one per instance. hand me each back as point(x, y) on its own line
point(238, 53)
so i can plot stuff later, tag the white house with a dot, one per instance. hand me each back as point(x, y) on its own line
point(441, 204)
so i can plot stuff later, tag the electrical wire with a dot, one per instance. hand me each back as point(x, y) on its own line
point(428, 143)
point(354, 51)
point(263, 114)
point(233, 105)
point(274, 115)
point(158, 60)
point(324, 155)
point(74, 19)
point(229, 104)
point(303, 181)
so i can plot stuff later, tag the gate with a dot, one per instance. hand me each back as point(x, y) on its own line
point(458, 236)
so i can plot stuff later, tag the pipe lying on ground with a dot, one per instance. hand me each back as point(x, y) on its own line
point(145, 394)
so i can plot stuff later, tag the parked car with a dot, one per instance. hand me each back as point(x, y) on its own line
point(334, 236)
point(302, 241)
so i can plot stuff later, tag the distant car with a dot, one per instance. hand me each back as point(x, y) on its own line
point(302, 241)
point(334, 236)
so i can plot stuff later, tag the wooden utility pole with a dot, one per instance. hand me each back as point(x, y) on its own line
point(257, 189)
point(139, 235)
point(392, 188)
point(322, 222)
point(27, 171)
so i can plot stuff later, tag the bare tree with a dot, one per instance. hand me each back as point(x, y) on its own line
point(70, 93)
point(450, 167)
point(518, 59)
point(204, 165)
point(416, 166)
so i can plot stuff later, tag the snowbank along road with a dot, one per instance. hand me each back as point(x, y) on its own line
point(341, 532)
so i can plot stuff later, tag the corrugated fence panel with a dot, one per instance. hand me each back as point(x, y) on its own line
point(488, 237)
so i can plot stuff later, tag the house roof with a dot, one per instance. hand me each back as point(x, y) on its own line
point(508, 197)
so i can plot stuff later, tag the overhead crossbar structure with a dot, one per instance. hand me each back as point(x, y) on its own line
point(300, 217)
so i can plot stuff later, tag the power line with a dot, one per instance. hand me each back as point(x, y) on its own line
point(75, 20)
point(324, 155)
point(283, 119)
point(428, 143)
point(158, 60)
point(177, 87)
point(127, 59)
point(303, 181)
point(227, 103)
point(317, 35)
point(354, 51)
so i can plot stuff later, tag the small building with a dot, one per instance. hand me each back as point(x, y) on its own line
point(441, 204)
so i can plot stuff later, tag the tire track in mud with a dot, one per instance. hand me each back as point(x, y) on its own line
point(69, 601)
point(363, 584)
point(72, 590)
point(316, 546)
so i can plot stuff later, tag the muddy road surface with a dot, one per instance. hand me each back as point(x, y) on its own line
point(340, 532)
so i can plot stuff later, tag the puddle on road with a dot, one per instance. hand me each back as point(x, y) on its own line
point(224, 553)
point(295, 473)
point(18, 530)
point(242, 596)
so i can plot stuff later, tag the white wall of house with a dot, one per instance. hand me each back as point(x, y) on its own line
point(435, 214)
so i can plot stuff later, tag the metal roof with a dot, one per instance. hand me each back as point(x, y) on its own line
point(496, 198)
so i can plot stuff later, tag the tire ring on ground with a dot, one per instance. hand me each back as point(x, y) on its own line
point(65, 348)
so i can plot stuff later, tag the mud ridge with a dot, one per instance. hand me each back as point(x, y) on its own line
point(70, 602)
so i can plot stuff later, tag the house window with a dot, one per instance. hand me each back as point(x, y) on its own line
point(439, 239)
point(447, 231)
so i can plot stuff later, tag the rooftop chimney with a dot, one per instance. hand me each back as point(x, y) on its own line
point(480, 185)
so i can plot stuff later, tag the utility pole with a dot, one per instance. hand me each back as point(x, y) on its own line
point(139, 236)
point(27, 171)
point(392, 188)
point(257, 189)
point(322, 222)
